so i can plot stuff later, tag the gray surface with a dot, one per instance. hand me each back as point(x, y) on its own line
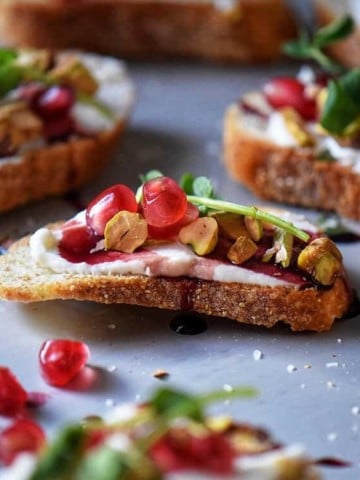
point(177, 128)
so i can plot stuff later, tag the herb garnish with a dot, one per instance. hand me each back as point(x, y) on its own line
point(69, 455)
point(200, 192)
point(341, 111)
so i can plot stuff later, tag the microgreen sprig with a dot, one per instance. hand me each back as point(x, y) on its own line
point(311, 47)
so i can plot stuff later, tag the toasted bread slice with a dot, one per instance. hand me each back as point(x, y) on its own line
point(265, 302)
point(51, 167)
point(249, 31)
point(289, 174)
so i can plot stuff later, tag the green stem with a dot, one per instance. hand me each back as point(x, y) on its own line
point(249, 212)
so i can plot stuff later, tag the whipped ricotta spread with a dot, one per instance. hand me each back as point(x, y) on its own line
point(166, 259)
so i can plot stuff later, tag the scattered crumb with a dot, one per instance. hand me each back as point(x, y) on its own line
point(339, 340)
point(109, 402)
point(258, 355)
point(330, 384)
point(355, 410)
point(302, 385)
point(112, 368)
point(332, 364)
point(332, 437)
point(291, 368)
point(160, 374)
point(111, 326)
point(307, 366)
point(227, 388)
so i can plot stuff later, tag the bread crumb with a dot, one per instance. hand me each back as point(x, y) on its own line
point(291, 368)
point(228, 388)
point(355, 410)
point(339, 340)
point(112, 368)
point(258, 355)
point(332, 437)
point(307, 366)
point(332, 364)
point(330, 384)
point(160, 374)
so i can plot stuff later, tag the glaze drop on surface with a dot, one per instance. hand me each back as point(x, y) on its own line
point(188, 324)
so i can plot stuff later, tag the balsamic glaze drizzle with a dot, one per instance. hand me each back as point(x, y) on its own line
point(188, 323)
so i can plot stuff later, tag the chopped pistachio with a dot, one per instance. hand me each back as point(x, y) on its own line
point(243, 249)
point(125, 232)
point(18, 123)
point(254, 227)
point(322, 260)
point(201, 234)
point(296, 126)
point(34, 58)
point(73, 72)
point(231, 225)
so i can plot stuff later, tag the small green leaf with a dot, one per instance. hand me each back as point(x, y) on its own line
point(10, 77)
point(339, 29)
point(351, 84)
point(150, 175)
point(60, 460)
point(103, 464)
point(171, 404)
point(186, 182)
point(339, 110)
point(7, 55)
point(203, 187)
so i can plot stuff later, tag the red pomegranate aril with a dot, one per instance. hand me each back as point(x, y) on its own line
point(13, 397)
point(57, 128)
point(62, 360)
point(164, 202)
point(158, 233)
point(289, 92)
point(55, 102)
point(30, 92)
point(22, 436)
point(210, 453)
point(109, 202)
point(77, 239)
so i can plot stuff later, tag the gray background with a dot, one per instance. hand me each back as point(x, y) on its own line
point(176, 127)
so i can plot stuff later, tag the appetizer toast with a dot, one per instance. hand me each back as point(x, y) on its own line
point(170, 249)
point(61, 117)
point(216, 30)
point(170, 437)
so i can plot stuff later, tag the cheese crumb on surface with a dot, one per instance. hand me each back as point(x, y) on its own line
point(258, 355)
point(291, 368)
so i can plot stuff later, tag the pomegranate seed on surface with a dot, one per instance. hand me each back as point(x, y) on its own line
point(109, 202)
point(61, 360)
point(191, 214)
point(13, 397)
point(22, 436)
point(289, 92)
point(164, 202)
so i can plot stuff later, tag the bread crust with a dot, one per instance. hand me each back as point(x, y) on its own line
point(253, 32)
point(57, 168)
point(288, 174)
point(310, 309)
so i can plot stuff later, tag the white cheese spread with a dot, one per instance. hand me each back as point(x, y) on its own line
point(169, 259)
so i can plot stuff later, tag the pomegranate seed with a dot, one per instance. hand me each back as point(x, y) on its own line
point(54, 102)
point(77, 239)
point(289, 92)
point(58, 128)
point(107, 204)
point(12, 395)
point(30, 92)
point(164, 202)
point(191, 214)
point(180, 450)
point(22, 436)
point(61, 360)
